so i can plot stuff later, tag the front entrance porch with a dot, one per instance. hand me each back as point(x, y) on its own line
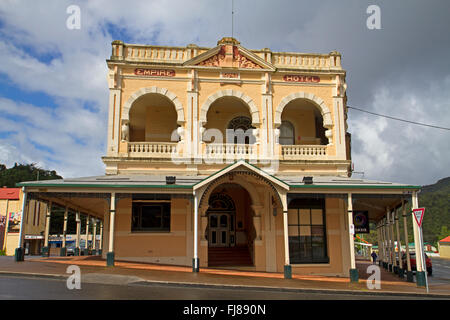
point(230, 232)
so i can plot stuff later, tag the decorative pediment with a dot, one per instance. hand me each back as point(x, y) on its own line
point(229, 54)
point(241, 166)
point(214, 61)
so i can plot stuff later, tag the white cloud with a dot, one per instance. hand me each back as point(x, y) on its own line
point(400, 71)
point(51, 138)
point(398, 151)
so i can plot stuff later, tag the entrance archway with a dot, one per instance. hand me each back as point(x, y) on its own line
point(230, 232)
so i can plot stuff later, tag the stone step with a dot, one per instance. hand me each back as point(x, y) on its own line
point(235, 256)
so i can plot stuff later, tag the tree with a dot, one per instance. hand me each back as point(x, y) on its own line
point(444, 233)
point(24, 172)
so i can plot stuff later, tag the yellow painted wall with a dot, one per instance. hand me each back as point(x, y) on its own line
point(164, 247)
point(33, 224)
point(444, 250)
point(12, 242)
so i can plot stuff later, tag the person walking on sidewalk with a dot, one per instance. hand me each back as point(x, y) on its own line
point(374, 257)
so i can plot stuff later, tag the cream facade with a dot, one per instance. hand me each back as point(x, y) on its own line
point(190, 86)
point(227, 157)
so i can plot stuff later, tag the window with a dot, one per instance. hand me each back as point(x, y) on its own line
point(242, 130)
point(150, 216)
point(307, 231)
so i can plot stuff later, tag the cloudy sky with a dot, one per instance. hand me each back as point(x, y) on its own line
point(54, 96)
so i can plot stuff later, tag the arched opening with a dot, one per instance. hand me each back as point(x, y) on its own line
point(231, 116)
point(230, 231)
point(242, 128)
point(153, 118)
point(305, 120)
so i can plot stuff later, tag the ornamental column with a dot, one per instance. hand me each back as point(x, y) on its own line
point(193, 134)
point(46, 248)
point(94, 238)
point(266, 129)
point(77, 239)
point(195, 260)
point(115, 91)
point(389, 244)
point(383, 242)
point(380, 257)
point(86, 244)
point(354, 276)
point(409, 274)
point(400, 269)
point(112, 214)
point(386, 243)
point(394, 259)
point(287, 264)
point(100, 245)
point(63, 251)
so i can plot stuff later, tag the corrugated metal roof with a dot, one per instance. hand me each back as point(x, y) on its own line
point(336, 181)
point(119, 180)
point(187, 181)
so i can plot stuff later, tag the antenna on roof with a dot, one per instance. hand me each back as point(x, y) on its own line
point(232, 18)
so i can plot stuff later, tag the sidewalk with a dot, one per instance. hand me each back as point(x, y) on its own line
point(92, 267)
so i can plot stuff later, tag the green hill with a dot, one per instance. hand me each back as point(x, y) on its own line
point(24, 172)
point(436, 200)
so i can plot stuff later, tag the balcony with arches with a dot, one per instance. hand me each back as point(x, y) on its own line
point(229, 132)
point(303, 131)
point(153, 128)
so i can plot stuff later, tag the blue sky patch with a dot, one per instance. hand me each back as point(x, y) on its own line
point(11, 91)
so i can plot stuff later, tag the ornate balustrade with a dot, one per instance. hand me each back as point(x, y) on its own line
point(152, 149)
point(226, 151)
point(306, 61)
point(236, 151)
point(298, 152)
point(153, 53)
point(148, 53)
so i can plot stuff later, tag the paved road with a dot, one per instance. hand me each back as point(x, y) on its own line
point(15, 287)
point(441, 271)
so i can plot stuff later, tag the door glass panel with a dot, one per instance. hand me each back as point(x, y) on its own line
point(305, 216)
point(213, 237)
point(224, 237)
point(305, 231)
point(293, 230)
point(293, 216)
point(316, 216)
point(223, 220)
point(231, 223)
point(213, 221)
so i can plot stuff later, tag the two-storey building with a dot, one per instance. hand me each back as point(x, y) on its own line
point(227, 156)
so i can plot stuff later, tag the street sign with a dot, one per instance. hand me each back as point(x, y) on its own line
point(361, 221)
point(418, 214)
